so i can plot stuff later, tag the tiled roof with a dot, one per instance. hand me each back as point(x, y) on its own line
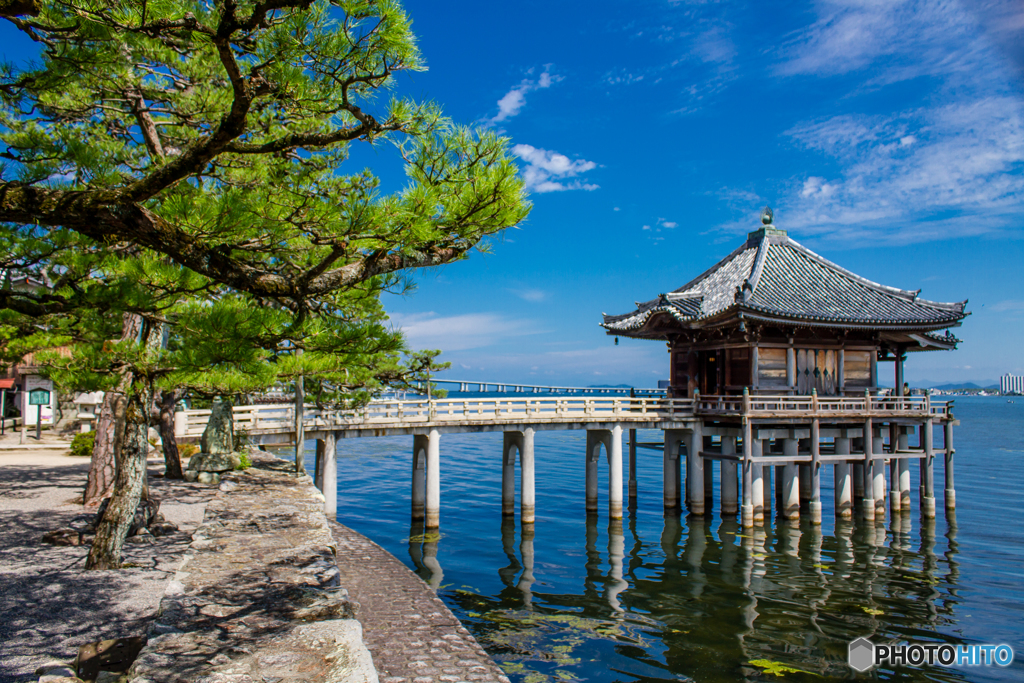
point(772, 277)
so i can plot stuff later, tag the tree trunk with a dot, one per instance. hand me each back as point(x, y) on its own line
point(110, 429)
point(172, 460)
point(131, 466)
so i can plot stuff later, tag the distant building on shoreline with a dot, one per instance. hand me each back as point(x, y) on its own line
point(1011, 384)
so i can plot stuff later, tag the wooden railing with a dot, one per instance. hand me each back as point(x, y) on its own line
point(394, 413)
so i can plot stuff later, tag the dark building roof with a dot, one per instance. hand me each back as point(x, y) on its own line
point(772, 279)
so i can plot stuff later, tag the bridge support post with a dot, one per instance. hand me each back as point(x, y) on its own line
point(433, 506)
point(766, 478)
point(729, 489)
point(632, 466)
point(894, 469)
point(903, 471)
point(330, 477)
point(878, 475)
point(867, 487)
point(511, 442)
point(815, 503)
point(419, 476)
point(614, 450)
point(950, 489)
point(594, 440)
point(790, 481)
point(928, 473)
point(318, 467)
point(695, 471)
point(757, 472)
point(843, 480)
point(670, 469)
point(527, 496)
point(747, 509)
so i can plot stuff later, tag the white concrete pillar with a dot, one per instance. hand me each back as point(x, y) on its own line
point(894, 469)
point(729, 488)
point(757, 471)
point(695, 471)
point(527, 490)
point(433, 507)
point(615, 473)
point(950, 488)
point(790, 481)
point(509, 446)
point(928, 504)
point(867, 486)
point(814, 505)
point(419, 476)
point(747, 509)
point(594, 440)
point(843, 481)
point(670, 469)
point(330, 478)
point(878, 476)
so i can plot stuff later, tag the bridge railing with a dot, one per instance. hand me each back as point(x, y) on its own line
point(397, 413)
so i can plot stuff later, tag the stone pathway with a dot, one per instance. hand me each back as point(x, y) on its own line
point(412, 635)
point(49, 605)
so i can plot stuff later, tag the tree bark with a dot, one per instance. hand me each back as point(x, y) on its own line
point(110, 429)
point(131, 467)
point(172, 460)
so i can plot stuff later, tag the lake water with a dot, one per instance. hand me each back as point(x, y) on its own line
point(669, 598)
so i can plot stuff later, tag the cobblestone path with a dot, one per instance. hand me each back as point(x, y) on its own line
point(412, 635)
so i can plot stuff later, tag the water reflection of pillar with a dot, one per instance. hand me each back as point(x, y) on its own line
point(526, 579)
point(727, 531)
point(790, 508)
point(694, 546)
point(952, 549)
point(592, 573)
point(766, 477)
point(930, 565)
point(844, 561)
point(616, 548)
point(632, 466)
point(508, 573)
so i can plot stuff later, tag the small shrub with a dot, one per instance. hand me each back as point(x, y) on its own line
point(187, 450)
point(245, 462)
point(82, 444)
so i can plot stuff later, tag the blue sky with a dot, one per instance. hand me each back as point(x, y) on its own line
point(888, 136)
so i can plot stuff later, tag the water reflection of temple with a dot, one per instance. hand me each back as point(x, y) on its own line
point(706, 598)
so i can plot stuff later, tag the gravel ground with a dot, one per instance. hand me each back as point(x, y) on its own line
point(49, 605)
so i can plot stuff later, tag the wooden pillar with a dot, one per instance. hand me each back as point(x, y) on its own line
point(868, 500)
point(433, 506)
point(815, 503)
point(757, 481)
point(844, 481)
point(950, 490)
point(614, 451)
point(632, 466)
point(330, 480)
point(791, 369)
point(318, 467)
point(594, 441)
point(670, 469)
point(747, 510)
point(840, 371)
point(755, 358)
point(729, 489)
point(509, 445)
point(419, 476)
point(790, 507)
point(527, 489)
point(928, 508)
point(903, 470)
point(695, 471)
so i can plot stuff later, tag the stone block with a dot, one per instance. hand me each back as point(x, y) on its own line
point(209, 478)
point(191, 475)
point(219, 435)
point(214, 462)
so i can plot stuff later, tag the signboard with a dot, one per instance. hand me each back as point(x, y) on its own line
point(29, 411)
point(39, 397)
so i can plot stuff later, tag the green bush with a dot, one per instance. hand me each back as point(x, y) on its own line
point(83, 443)
point(187, 450)
point(245, 461)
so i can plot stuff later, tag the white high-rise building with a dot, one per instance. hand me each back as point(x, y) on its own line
point(1011, 384)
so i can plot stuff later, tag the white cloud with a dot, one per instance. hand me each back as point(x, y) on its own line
point(515, 99)
point(547, 171)
point(917, 175)
point(459, 332)
point(529, 294)
point(1010, 305)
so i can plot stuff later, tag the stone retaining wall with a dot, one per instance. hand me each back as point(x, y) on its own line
point(258, 597)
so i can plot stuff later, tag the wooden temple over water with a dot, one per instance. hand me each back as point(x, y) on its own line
point(774, 328)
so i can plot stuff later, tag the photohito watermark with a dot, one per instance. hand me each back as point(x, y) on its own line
point(864, 655)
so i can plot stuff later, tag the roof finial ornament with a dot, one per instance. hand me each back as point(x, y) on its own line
point(767, 215)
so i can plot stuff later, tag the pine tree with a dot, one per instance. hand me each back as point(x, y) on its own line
point(184, 162)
